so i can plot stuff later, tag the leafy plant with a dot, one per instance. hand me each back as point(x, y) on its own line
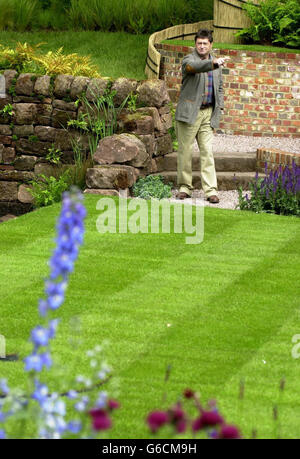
point(7, 110)
point(26, 59)
point(99, 118)
point(55, 63)
point(277, 193)
point(82, 161)
point(152, 187)
point(48, 190)
point(273, 21)
point(132, 102)
point(18, 57)
point(33, 138)
point(54, 155)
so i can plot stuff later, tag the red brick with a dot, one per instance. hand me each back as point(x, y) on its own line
point(285, 88)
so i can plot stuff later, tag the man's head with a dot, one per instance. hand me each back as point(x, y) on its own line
point(203, 43)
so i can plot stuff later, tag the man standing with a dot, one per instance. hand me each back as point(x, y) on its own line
point(198, 113)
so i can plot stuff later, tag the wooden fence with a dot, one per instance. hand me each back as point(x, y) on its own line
point(182, 31)
point(229, 17)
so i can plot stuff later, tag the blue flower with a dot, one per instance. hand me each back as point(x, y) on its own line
point(4, 387)
point(40, 336)
point(72, 394)
point(2, 434)
point(36, 362)
point(74, 427)
point(41, 393)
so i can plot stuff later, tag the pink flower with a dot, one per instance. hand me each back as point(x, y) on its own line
point(177, 413)
point(156, 419)
point(101, 420)
point(229, 432)
point(207, 419)
point(113, 404)
point(181, 426)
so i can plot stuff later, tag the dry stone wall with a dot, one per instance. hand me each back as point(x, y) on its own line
point(41, 109)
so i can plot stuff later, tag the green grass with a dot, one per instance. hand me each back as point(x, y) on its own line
point(260, 48)
point(232, 302)
point(116, 54)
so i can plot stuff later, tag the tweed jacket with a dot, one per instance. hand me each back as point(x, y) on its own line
point(193, 87)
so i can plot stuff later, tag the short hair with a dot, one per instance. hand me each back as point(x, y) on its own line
point(204, 33)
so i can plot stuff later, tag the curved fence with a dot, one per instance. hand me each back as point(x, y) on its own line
point(182, 31)
point(229, 17)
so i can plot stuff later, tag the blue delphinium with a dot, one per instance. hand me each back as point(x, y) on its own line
point(52, 407)
point(70, 231)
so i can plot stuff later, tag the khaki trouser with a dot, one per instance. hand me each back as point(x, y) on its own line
point(186, 134)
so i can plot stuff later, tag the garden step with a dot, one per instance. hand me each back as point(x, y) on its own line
point(226, 180)
point(239, 162)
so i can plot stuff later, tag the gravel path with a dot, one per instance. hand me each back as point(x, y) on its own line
point(241, 143)
point(228, 199)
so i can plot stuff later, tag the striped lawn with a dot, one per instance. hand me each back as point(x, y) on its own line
point(218, 312)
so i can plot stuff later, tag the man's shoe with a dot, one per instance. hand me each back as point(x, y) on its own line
point(213, 199)
point(182, 195)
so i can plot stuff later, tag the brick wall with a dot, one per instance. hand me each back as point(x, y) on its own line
point(262, 90)
point(274, 158)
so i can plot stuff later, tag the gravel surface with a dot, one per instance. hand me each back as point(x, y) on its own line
point(242, 143)
point(228, 199)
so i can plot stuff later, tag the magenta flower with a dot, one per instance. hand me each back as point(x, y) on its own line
point(229, 432)
point(181, 426)
point(113, 404)
point(156, 419)
point(207, 419)
point(177, 413)
point(101, 420)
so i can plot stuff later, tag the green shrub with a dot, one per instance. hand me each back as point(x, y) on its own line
point(152, 187)
point(27, 59)
point(48, 190)
point(273, 21)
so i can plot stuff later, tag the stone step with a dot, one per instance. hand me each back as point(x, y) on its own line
point(239, 162)
point(226, 180)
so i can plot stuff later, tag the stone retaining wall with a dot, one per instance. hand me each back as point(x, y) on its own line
point(262, 90)
point(41, 109)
